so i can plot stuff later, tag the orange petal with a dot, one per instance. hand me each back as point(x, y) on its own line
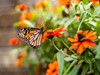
point(80, 49)
point(51, 66)
point(91, 33)
point(62, 27)
point(49, 71)
point(71, 47)
point(72, 39)
point(85, 44)
point(19, 63)
point(55, 63)
point(93, 38)
point(85, 32)
point(93, 44)
point(76, 37)
point(23, 54)
point(74, 45)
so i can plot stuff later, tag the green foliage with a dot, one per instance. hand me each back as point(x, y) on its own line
point(98, 51)
point(60, 59)
point(83, 16)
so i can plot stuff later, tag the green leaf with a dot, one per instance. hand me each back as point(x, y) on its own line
point(92, 23)
point(96, 13)
point(96, 72)
point(90, 63)
point(85, 69)
point(85, 1)
point(81, 61)
point(55, 57)
point(88, 6)
point(70, 66)
point(68, 59)
point(81, 8)
point(28, 23)
point(98, 64)
point(98, 28)
point(98, 51)
point(62, 21)
point(69, 22)
point(75, 70)
point(60, 59)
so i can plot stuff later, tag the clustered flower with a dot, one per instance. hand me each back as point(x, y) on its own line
point(22, 7)
point(52, 68)
point(51, 33)
point(25, 16)
point(83, 40)
point(94, 1)
point(64, 2)
point(13, 41)
point(19, 62)
point(39, 4)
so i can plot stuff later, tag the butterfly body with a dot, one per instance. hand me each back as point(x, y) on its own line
point(32, 36)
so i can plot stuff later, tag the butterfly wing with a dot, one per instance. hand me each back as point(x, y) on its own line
point(26, 33)
point(32, 36)
point(34, 40)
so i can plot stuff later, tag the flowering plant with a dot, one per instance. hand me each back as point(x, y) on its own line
point(71, 36)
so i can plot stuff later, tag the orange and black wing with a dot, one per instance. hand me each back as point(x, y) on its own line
point(34, 40)
point(26, 33)
point(32, 36)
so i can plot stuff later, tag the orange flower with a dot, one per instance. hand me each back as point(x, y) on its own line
point(54, 9)
point(94, 1)
point(13, 41)
point(19, 63)
point(22, 25)
point(29, 15)
point(58, 32)
point(21, 56)
point(39, 4)
point(26, 15)
point(23, 16)
point(51, 33)
point(21, 7)
point(47, 34)
point(64, 2)
point(52, 68)
point(82, 40)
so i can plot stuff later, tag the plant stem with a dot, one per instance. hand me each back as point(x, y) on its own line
point(56, 46)
point(92, 52)
point(67, 46)
point(84, 15)
point(72, 64)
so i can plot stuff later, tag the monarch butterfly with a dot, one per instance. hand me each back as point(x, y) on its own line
point(32, 36)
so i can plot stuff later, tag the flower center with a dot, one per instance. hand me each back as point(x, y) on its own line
point(80, 37)
point(53, 71)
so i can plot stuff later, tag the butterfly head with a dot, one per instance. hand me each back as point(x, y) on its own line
point(42, 30)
